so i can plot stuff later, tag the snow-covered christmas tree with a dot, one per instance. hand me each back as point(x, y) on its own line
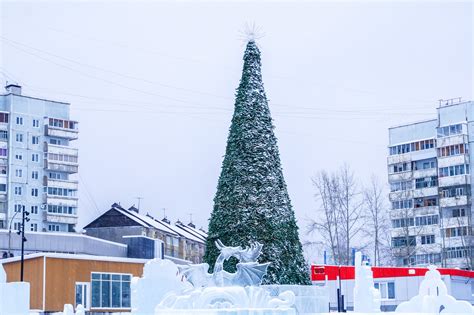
point(252, 202)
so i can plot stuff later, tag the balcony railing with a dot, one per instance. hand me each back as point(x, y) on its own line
point(61, 128)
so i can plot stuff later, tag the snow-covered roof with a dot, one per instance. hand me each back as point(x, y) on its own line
point(179, 229)
point(75, 256)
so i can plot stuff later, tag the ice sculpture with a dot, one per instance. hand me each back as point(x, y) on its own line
point(160, 276)
point(366, 297)
point(13, 291)
point(433, 298)
point(232, 293)
point(249, 271)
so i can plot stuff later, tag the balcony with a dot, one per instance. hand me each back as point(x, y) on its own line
point(59, 183)
point(451, 140)
point(60, 218)
point(56, 167)
point(61, 128)
point(411, 156)
point(453, 201)
point(453, 160)
point(455, 222)
point(454, 180)
point(60, 149)
point(425, 173)
point(423, 192)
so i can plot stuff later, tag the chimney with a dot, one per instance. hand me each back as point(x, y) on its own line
point(13, 88)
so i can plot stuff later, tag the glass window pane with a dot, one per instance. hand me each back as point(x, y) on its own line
point(126, 294)
point(115, 294)
point(126, 277)
point(116, 277)
point(79, 294)
point(391, 290)
point(95, 293)
point(105, 294)
point(105, 276)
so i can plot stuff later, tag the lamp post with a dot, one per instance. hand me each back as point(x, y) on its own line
point(10, 233)
point(21, 231)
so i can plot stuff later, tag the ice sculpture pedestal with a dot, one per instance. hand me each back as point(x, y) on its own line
point(14, 296)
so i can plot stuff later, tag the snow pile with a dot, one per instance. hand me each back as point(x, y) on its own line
point(366, 297)
point(433, 298)
point(160, 277)
point(13, 291)
point(309, 299)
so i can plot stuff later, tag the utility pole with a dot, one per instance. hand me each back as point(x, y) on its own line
point(21, 231)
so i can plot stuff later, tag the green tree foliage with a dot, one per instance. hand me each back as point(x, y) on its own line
point(252, 202)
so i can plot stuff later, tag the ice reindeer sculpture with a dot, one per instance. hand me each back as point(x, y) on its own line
point(366, 297)
point(220, 292)
point(433, 298)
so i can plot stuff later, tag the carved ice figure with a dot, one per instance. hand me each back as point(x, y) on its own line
point(366, 297)
point(238, 292)
point(433, 298)
point(68, 309)
point(160, 277)
point(249, 271)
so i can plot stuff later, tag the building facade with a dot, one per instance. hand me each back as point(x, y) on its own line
point(180, 241)
point(430, 188)
point(37, 163)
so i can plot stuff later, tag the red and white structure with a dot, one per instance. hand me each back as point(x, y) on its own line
point(396, 284)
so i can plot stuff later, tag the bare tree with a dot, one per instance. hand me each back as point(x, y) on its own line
point(339, 212)
point(377, 222)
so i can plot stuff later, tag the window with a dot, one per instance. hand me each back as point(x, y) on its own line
point(55, 141)
point(55, 191)
point(414, 146)
point(454, 191)
point(34, 227)
point(35, 139)
point(401, 186)
point(36, 123)
point(403, 222)
point(402, 204)
point(19, 156)
point(403, 241)
point(3, 117)
point(18, 172)
point(458, 252)
point(34, 174)
point(19, 137)
point(18, 208)
point(426, 182)
point(35, 157)
point(424, 164)
point(34, 192)
point(456, 213)
point(18, 191)
point(426, 202)
point(427, 239)
point(457, 231)
point(67, 124)
point(110, 290)
point(426, 220)
point(61, 209)
point(3, 169)
point(34, 209)
point(3, 152)
point(3, 187)
point(3, 135)
point(53, 227)
point(19, 120)
point(62, 157)
point(451, 150)
point(400, 167)
point(449, 130)
point(17, 226)
point(82, 294)
point(454, 170)
point(387, 290)
point(53, 175)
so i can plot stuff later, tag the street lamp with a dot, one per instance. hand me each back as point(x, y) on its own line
point(21, 231)
point(10, 233)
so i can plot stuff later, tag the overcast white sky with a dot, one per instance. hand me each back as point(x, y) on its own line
point(152, 85)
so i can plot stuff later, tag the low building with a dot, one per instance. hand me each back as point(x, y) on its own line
point(101, 284)
point(72, 243)
point(180, 241)
point(396, 284)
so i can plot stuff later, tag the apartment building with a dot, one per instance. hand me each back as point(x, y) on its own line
point(430, 188)
point(37, 163)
